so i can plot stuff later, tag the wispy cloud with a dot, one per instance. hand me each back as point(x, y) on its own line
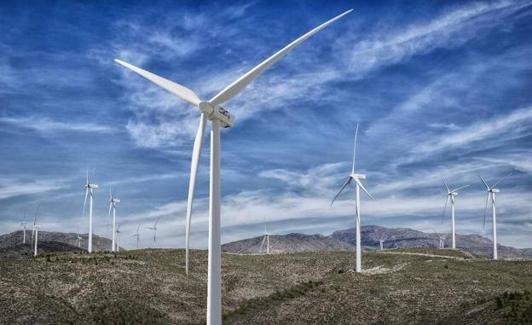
point(47, 125)
point(10, 188)
point(509, 127)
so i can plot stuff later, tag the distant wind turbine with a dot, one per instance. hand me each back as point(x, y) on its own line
point(265, 239)
point(89, 188)
point(154, 228)
point(356, 178)
point(381, 242)
point(113, 202)
point(34, 221)
point(491, 197)
point(137, 234)
point(79, 239)
point(23, 224)
point(451, 194)
point(442, 241)
point(218, 116)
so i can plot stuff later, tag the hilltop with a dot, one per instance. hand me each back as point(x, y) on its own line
point(52, 241)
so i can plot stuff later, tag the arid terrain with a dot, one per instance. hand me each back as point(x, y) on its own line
point(149, 286)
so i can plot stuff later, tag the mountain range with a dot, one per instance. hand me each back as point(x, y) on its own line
point(393, 238)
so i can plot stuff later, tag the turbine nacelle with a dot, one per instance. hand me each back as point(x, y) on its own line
point(92, 186)
point(358, 176)
point(217, 112)
point(494, 190)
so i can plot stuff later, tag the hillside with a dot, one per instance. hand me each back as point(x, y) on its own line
point(14, 239)
point(393, 238)
point(150, 287)
point(287, 243)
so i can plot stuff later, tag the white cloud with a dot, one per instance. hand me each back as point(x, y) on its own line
point(47, 125)
point(511, 126)
point(11, 187)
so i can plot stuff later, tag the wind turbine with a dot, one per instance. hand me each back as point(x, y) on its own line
point(34, 221)
point(265, 239)
point(442, 241)
point(113, 202)
point(137, 234)
point(23, 224)
point(36, 230)
point(154, 228)
point(381, 242)
point(218, 116)
point(451, 194)
point(79, 238)
point(358, 185)
point(89, 188)
point(491, 196)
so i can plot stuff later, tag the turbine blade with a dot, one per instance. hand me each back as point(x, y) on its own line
point(460, 188)
point(262, 243)
point(501, 179)
point(234, 88)
point(445, 209)
point(180, 91)
point(110, 208)
point(87, 175)
point(483, 181)
point(355, 149)
point(341, 189)
point(156, 222)
point(196, 153)
point(446, 185)
point(364, 189)
point(485, 212)
point(85, 201)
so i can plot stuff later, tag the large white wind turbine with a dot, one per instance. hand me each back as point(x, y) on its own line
point(491, 197)
point(451, 194)
point(358, 185)
point(218, 116)
point(89, 188)
point(137, 234)
point(113, 202)
point(154, 228)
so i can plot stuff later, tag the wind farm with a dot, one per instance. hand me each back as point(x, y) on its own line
point(326, 206)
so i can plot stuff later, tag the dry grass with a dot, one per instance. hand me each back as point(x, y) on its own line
point(150, 286)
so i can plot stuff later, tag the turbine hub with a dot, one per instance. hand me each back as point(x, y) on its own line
point(217, 112)
point(358, 176)
point(494, 190)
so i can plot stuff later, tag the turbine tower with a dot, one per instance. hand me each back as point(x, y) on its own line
point(23, 224)
point(358, 185)
point(34, 222)
point(154, 228)
point(36, 230)
point(137, 234)
point(113, 202)
point(219, 117)
point(451, 195)
point(491, 197)
point(381, 243)
point(442, 241)
point(78, 238)
point(89, 188)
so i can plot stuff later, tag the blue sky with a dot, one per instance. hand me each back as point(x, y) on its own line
point(439, 89)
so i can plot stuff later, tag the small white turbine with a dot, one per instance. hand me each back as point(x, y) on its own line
point(89, 188)
point(113, 202)
point(154, 228)
point(265, 239)
point(23, 224)
point(137, 234)
point(358, 185)
point(451, 195)
point(491, 197)
point(381, 243)
point(442, 241)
